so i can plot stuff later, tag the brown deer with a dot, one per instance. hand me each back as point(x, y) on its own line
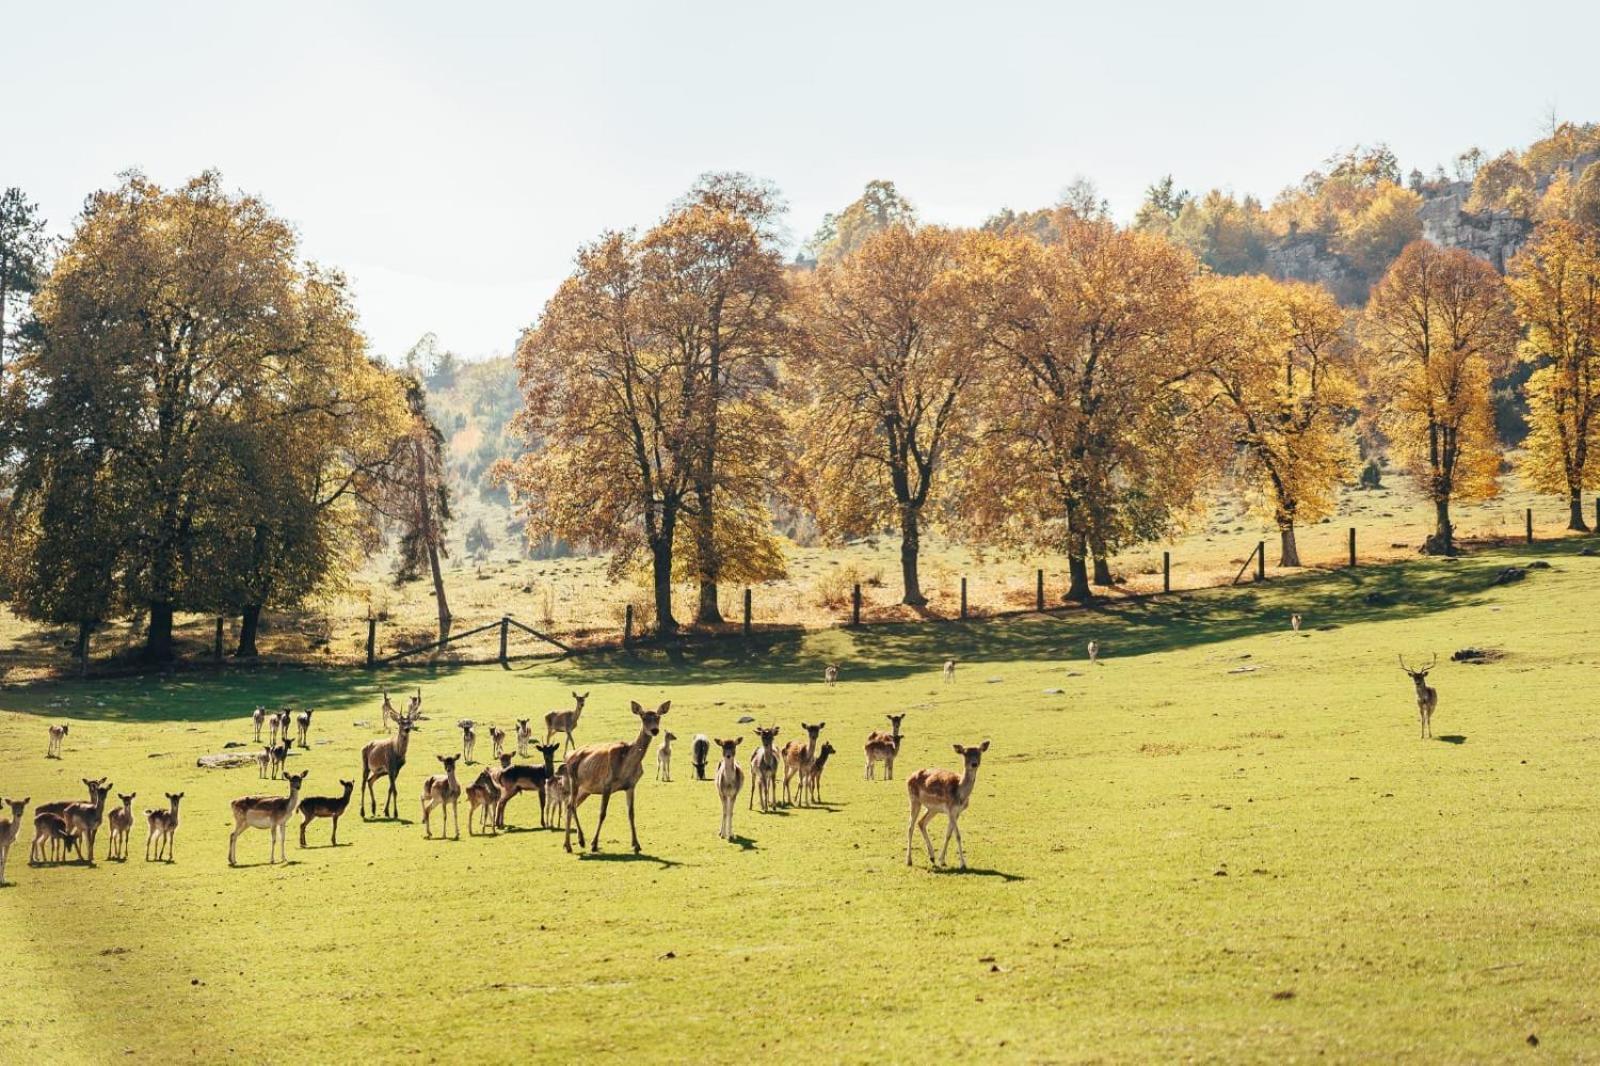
point(163, 823)
point(511, 780)
point(524, 737)
point(565, 721)
point(764, 770)
point(259, 719)
point(263, 761)
point(50, 832)
point(442, 791)
point(280, 754)
point(811, 779)
point(601, 769)
point(469, 739)
point(85, 819)
point(9, 828)
point(271, 813)
point(1427, 695)
point(53, 751)
point(389, 714)
point(497, 737)
point(59, 807)
point(942, 792)
point(699, 755)
point(274, 721)
point(555, 794)
point(729, 779)
point(302, 723)
point(797, 754)
point(1094, 652)
point(883, 747)
point(830, 674)
point(118, 822)
point(664, 757)
point(1294, 622)
point(330, 807)
point(949, 671)
point(483, 793)
point(385, 758)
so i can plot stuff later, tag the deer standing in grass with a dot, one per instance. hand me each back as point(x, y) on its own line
point(271, 813)
point(384, 758)
point(51, 838)
point(830, 674)
point(1094, 652)
point(565, 721)
point(263, 761)
point(9, 828)
point(484, 793)
point(664, 757)
point(555, 795)
point(163, 825)
point(811, 777)
point(331, 807)
point(85, 819)
point(730, 779)
point(699, 755)
point(511, 780)
point(797, 755)
point(279, 753)
point(764, 770)
point(118, 822)
point(1427, 695)
point(942, 792)
point(302, 723)
point(469, 739)
point(601, 769)
point(57, 732)
point(259, 719)
point(884, 747)
point(1294, 622)
point(442, 791)
point(949, 671)
point(497, 737)
point(274, 720)
point(524, 737)
point(59, 808)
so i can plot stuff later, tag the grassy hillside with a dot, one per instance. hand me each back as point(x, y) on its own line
point(1227, 843)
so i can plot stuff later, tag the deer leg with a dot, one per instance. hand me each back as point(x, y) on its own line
point(633, 830)
point(888, 768)
point(922, 824)
point(427, 821)
point(455, 811)
point(594, 838)
point(171, 837)
point(949, 831)
point(911, 828)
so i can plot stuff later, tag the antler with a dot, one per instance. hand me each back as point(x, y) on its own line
point(1432, 662)
point(1403, 665)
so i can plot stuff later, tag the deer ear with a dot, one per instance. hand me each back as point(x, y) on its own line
point(636, 708)
point(959, 749)
point(664, 707)
point(984, 746)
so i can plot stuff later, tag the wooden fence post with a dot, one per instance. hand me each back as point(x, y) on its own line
point(627, 625)
point(855, 606)
point(1597, 514)
point(505, 632)
point(1352, 545)
point(1261, 560)
point(372, 640)
point(1038, 590)
point(216, 649)
point(1166, 571)
point(747, 600)
point(963, 598)
point(1530, 525)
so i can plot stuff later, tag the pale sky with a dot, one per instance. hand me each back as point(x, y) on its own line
point(450, 157)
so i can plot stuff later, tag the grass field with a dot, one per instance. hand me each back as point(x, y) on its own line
point(1226, 843)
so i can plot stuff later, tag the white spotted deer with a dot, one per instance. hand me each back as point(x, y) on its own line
point(942, 792)
point(9, 828)
point(163, 826)
point(565, 721)
point(811, 778)
point(603, 769)
point(483, 793)
point(764, 770)
point(118, 821)
point(797, 755)
point(730, 779)
point(884, 747)
point(271, 813)
point(385, 758)
point(1427, 695)
point(442, 791)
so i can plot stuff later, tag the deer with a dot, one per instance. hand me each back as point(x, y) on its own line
point(664, 757)
point(811, 777)
point(442, 791)
point(796, 754)
point(469, 739)
point(830, 674)
point(330, 807)
point(942, 792)
point(565, 721)
point(263, 761)
point(497, 737)
point(1094, 652)
point(9, 828)
point(730, 779)
point(1294, 622)
point(302, 723)
point(57, 733)
point(274, 720)
point(271, 813)
point(388, 714)
point(884, 747)
point(555, 794)
point(602, 769)
point(384, 758)
point(118, 822)
point(84, 819)
point(949, 671)
point(524, 737)
point(59, 807)
point(484, 793)
point(511, 780)
point(163, 823)
point(50, 831)
point(764, 770)
point(1427, 695)
point(258, 719)
point(280, 755)
point(699, 753)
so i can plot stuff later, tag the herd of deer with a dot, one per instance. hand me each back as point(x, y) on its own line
point(602, 770)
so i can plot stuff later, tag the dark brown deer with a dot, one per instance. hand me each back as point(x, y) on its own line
point(1427, 695)
point(51, 838)
point(84, 819)
point(330, 807)
point(384, 758)
point(601, 769)
point(511, 780)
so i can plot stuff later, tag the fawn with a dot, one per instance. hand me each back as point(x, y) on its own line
point(1294, 622)
point(259, 719)
point(330, 807)
point(699, 754)
point(163, 825)
point(730, 779)
point(497, 737)
point(271, 813)
point(50, 831)
point(524, 736)
point(469, 739)
point(263, 761)
point(442, 791)
point(797, 755)
point(883, 747)
point(949, 671)
point(9, 828)
point(302, 723)
point(942, 792)
point(830, 674)
point(811, 777)
point(764, 770)
point(57, 732)
point(565, 721)
point(1427, 695)
point(118, 822)
point(483, 793)
point(1094, 652)
point(664, 757)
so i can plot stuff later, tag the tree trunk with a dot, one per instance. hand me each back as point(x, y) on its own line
point(661, 565)
point(1442, 541)
point(708, 612)
point(81, 652)
point(910, 549)
point(430, 537)
point(445, 617)
point(158, 636)
point(249, 625)
point(1078, 583)
point(1102, 572)
point(1290, 554)
point(1577, 520)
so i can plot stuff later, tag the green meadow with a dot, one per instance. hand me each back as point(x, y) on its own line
point(1225, 843)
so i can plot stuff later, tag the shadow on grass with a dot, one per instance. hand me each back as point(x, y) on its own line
point(1453, 738)
point(975, 871)
point(627, 856)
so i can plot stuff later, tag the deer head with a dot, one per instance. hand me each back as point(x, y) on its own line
point(972, 756)
point(650, 720)
point(1419, 676)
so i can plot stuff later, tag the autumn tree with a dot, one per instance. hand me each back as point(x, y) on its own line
point(412, 494)
point(884, 362)
point(1438, 328)
point(1555, 283)
point(878, 207)
point(1094, 436)
point(1281, 359)
point(23, 248)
